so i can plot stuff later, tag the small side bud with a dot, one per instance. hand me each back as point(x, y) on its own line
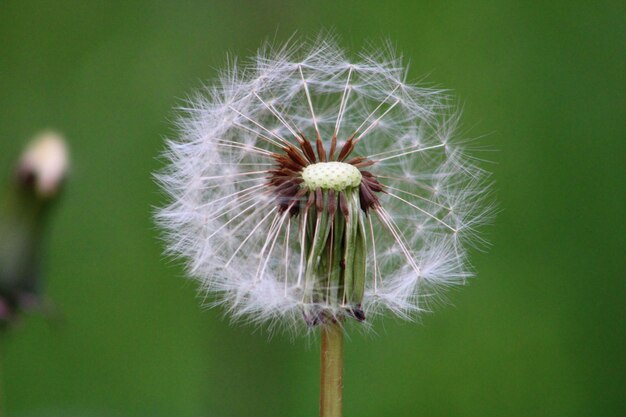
point(44, 164)
point(25, 205)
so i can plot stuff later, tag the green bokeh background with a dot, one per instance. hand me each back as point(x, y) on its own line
point(540, 332)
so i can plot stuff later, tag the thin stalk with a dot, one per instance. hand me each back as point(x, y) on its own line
point(2, 400)
point(331, 370)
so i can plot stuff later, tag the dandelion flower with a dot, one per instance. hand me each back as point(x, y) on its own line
point(308, 187)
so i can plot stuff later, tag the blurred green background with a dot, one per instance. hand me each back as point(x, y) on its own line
point(540, 332)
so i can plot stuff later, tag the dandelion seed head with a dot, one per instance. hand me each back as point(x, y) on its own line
point(306, 187)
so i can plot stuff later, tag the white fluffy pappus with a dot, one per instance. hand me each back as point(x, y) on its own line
point(272, 249)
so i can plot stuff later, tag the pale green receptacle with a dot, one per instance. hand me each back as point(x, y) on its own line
point(331, 176)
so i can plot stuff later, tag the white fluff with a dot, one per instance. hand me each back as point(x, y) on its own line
point(222, 222)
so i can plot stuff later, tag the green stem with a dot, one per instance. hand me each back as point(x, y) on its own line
point(331, 370)
point(2, 400)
